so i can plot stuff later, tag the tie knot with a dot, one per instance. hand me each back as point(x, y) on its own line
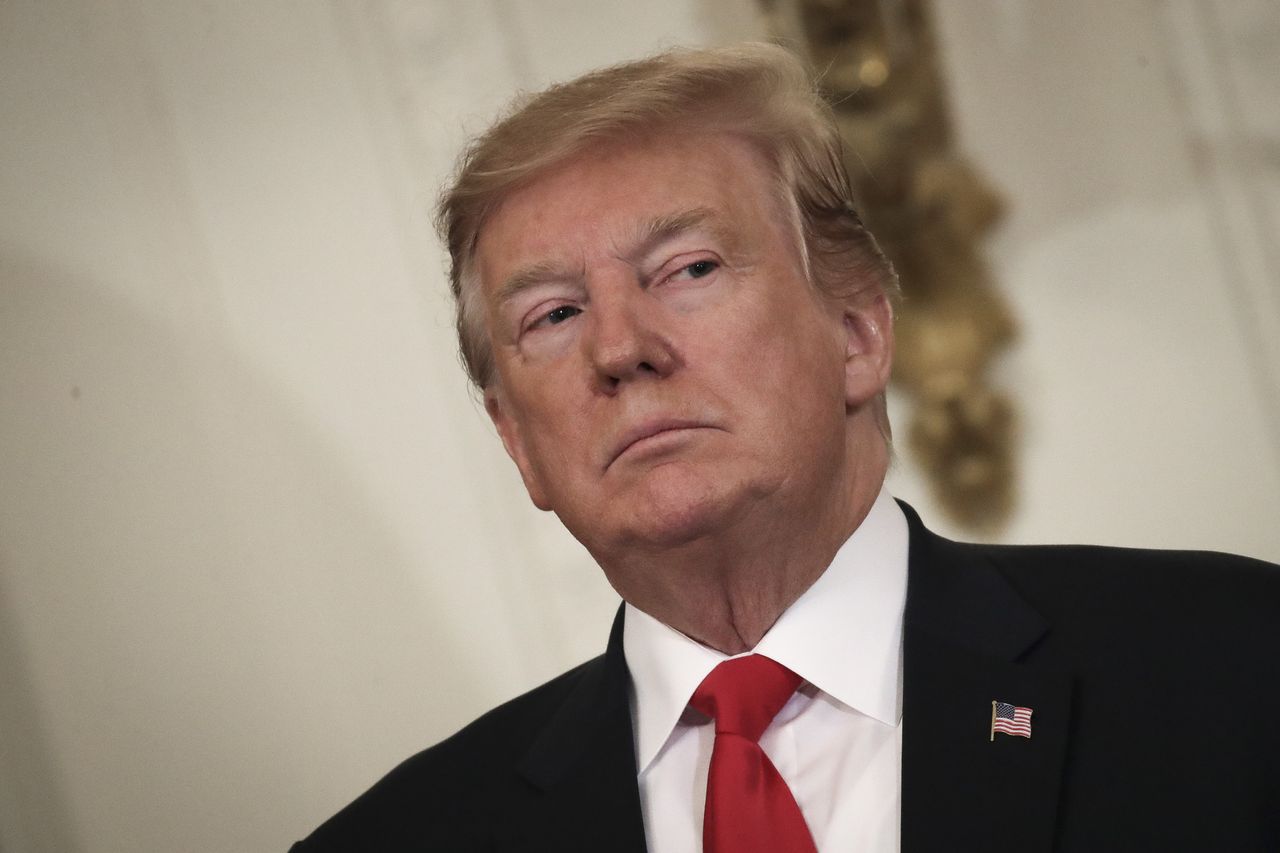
point(743, 695)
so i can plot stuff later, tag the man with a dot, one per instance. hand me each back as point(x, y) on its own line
point(683, 335)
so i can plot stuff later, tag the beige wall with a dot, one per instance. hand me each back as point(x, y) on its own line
point(257, 543)
point(1137, 143)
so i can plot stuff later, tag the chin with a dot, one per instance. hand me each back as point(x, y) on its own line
point(678, 504)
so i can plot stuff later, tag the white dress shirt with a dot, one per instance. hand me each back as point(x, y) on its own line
point(837, 742)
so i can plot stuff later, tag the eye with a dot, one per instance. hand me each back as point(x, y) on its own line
point(559, 315)
point(697, 269)
point(548, 312)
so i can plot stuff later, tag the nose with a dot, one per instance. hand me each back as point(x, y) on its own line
point(627, 338)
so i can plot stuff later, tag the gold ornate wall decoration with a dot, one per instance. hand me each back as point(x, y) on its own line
point(929, 209)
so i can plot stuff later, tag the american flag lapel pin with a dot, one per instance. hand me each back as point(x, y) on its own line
point(1010, 719)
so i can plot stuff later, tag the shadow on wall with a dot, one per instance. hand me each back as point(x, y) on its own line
point(208, 638)
point(33, 814)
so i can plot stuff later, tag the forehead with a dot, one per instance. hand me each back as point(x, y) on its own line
point(608, 198)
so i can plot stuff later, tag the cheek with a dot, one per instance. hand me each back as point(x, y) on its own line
point(801, 377)
point(557, 431)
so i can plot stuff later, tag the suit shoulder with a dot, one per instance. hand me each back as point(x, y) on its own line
point(433, 799)
point(506, 732)
point(1092, 575)
point(1159, 573)
point(1178, 606)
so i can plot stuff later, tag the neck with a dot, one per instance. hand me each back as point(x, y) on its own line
point(728, 588)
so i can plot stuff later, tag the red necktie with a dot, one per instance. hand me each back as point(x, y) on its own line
point(749, 806)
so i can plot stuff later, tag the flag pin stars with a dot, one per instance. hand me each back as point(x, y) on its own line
point(1010, 719)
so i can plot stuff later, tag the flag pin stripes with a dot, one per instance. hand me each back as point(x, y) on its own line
point(1010, 719)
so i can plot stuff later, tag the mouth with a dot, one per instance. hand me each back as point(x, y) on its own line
point(641, 434)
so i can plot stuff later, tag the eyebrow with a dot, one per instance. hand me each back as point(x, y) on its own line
point(530, 276)
point(660, 229)
point(649, 236)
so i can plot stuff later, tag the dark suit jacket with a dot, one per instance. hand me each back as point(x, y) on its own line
point(1153, 677)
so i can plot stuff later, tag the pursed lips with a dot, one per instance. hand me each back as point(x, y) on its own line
point(648, 429)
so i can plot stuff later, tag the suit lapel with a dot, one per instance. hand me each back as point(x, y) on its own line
point(967, 640)
point(582, 768)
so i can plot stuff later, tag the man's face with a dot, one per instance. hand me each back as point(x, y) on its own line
point(663, 369)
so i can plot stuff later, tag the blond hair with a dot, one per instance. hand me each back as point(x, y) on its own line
point(757, 92)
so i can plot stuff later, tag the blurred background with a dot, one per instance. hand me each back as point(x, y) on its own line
point(258, 542)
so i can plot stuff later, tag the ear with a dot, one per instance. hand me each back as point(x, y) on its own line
point(868, 328)
point(513, 440)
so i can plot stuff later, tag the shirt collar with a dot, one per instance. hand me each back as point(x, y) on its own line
point(843, 635)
